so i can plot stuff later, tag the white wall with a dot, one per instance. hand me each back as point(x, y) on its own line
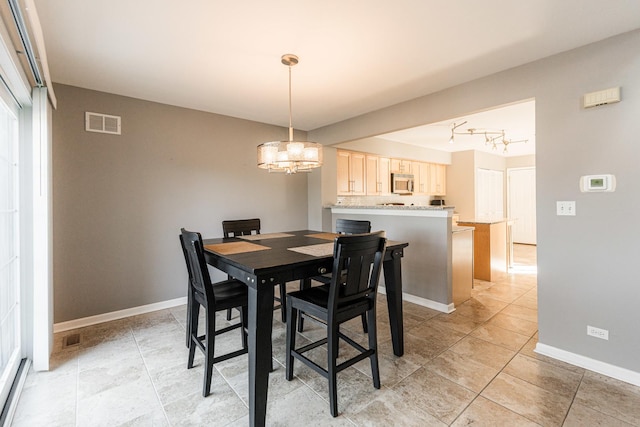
point(587, 273)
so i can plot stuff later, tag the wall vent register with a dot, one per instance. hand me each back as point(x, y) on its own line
point(102, 123)
point(602, 97)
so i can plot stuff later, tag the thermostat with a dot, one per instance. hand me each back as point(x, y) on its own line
point(597, 183)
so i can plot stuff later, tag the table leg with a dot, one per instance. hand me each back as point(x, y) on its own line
point(260, 318)
point(393, 285)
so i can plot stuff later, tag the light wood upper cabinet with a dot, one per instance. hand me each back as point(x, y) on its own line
point(400, 166)
point(351, 173)
point(378, 175)
point(369, 174)
point(421, 177)
point(384, 172)
point(438, 178)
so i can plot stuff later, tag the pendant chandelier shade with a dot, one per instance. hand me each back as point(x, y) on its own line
point(289, 156)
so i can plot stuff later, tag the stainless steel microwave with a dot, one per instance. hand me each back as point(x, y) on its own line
point(401, 183)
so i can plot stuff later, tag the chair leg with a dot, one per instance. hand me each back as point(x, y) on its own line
point(304, 284)
point(373, 344)
point(364, 324)
point(189, 304)
point(332, 347)
point(229, 313)
point(292, 315)
point(283, 303)
point(210, 339)
point(193, 331)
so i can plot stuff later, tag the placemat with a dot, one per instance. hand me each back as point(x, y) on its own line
point(322, 249)
point(265, 236)
point(325, 236)
point(231, 248)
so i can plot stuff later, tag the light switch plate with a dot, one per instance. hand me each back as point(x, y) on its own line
point(566, 208)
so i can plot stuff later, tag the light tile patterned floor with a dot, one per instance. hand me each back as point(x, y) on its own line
point(475, 366)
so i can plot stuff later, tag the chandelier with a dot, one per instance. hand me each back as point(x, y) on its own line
point(492, 137)
point(289, 156)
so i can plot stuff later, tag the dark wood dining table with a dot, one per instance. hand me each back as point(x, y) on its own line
point(265, 260)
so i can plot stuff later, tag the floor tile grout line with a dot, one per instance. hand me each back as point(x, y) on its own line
point(77, 407)
point(146, 368)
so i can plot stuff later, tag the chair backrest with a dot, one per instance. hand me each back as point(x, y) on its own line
point(357, 261)
point(352, 226)
point(241, 227)
point(199, 278)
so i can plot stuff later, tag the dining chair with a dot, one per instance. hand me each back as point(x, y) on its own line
point(213, 297)
point(245, 227)
point(357, 261)
point(343, 226)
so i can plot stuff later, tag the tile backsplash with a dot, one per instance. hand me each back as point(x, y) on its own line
point(378, 200)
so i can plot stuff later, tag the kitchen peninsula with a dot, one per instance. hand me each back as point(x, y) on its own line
point(429, 277)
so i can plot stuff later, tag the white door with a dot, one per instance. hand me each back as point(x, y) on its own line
point(489, 194)
point(522, 204)
point(10, 337)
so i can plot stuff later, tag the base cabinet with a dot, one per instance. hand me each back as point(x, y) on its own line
point(489, 250)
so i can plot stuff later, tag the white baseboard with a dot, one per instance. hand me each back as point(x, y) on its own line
point(603, 368)
point(444, 308)
point(115, 315)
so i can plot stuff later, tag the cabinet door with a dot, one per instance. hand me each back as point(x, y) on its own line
point(357, 173)
point(421, 177)
point(400, 166)
point(438, 178)
point(344, 182)
point(373, 174)
point(384, 175)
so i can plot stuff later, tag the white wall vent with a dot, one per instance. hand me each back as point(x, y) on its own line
point(102, 123)
point(602, 97)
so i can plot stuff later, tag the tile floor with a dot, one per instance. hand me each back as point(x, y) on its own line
point(475, 366)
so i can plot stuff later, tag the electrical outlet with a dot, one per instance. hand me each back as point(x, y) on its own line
point(603, 334)
point(566, 208)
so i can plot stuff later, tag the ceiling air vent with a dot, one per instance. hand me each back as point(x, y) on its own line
point(102, 123)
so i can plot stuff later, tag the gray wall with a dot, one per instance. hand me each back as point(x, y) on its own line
point(587, 263)
point(119, 201)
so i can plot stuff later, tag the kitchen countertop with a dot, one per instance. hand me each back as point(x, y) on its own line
point(458, 228)
point(484, 221)
point(394, 207)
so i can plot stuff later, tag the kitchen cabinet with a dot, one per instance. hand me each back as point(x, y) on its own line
point(378, 176)
point(400, 166)
point(351, 168)
point(490, 250)
point(421, 177)
point(438, 179)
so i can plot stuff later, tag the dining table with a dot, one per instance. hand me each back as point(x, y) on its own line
point(262, 261)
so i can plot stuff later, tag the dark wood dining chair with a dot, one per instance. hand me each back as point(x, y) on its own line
point(348, 227)
point(357, 261)
point(213, 297)
point(246, 227)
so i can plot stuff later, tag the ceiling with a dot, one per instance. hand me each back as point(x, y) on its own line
point(516, 120)
point(355, 56)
